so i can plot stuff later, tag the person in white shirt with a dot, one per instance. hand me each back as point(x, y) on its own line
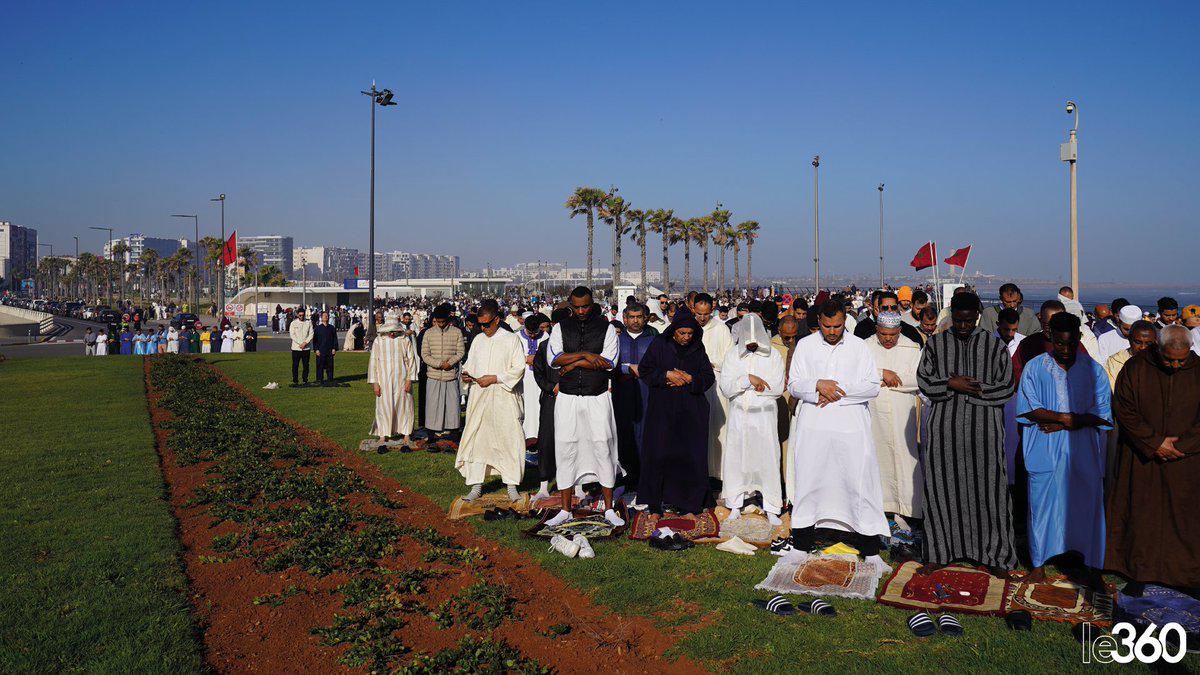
point(1115, 340)
point(717, 340)
point(836, 482)
point(301, 334)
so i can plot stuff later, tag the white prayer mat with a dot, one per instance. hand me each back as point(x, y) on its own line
point(752, 526)
point(842, 575)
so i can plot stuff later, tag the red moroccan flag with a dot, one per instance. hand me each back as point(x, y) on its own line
point(925, 257)
point(959, 259)
point(229, 252)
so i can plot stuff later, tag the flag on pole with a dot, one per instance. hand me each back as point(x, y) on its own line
point(229, 251)
point(926, 257)
point(959, 259)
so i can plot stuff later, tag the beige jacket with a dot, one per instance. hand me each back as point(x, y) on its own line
point(301, 332)
point(443, 344)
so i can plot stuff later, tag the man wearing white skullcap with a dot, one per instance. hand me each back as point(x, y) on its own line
point(1115, 340)
point(894, 417)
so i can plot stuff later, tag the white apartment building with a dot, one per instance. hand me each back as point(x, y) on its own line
point(18, 253)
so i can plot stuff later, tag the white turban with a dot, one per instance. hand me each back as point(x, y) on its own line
point(1129, 314)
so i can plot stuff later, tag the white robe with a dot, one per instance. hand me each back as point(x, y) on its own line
point(894, 424)
point(532, 397)
point(238, 338)
point(172, 341)
point(751, 458)
point(836, 479)
point(392, 362)
point(585, 429)
point(492, 440)
point(227, 340)
point(717, 340)
point(101, 345)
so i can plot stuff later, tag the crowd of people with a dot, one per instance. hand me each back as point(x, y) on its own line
point(130, 338)
point(993, 434)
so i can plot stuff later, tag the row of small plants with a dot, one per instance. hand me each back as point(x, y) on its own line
point(291, 508)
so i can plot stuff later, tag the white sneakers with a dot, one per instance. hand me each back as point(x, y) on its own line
point(579, 546)
point(585, 548)
point(272, 385)
point(565, 546)
point(737, 545)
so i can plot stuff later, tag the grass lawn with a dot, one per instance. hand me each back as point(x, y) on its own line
point(704, 591)
point(89, 569)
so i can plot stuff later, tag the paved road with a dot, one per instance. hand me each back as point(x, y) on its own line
point(69, 341)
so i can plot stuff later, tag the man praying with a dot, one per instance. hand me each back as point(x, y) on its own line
point(493, 441)
point(391, 372)
point(894, 417)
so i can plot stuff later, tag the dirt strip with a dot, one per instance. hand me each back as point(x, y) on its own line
point(275, 636)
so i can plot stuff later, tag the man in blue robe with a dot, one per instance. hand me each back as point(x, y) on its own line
point(629, 392)
point(1063, 406)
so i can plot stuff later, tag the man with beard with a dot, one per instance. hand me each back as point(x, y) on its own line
point(716, 340)
point(967, 375)
point(629, 392)
point(1012, 298)
point(443, 348)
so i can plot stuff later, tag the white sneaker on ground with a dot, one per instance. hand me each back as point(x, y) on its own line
point(564, 546)
point(585, 548)
point(559, 519)
point(613, 519)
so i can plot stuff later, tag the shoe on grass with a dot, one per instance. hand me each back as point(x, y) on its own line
point(585, 547)
point(564, 546)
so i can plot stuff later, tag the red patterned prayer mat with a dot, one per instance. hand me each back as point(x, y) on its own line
point(693, 528)
point(954, 588)
point(1060, 600)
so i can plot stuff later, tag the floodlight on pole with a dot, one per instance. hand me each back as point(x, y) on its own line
point(221, 285)
point(816, 162)
point(1069, 152)
point(380, 97)
point(880, 188)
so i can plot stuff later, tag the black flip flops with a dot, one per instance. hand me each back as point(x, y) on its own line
point(777, 605)
point(921, 624)
point(818, 607)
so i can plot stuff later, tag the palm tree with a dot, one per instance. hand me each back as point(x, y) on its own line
point(704, 228)
point(147, 264)
point(662, 223)
point(687, 235)
point(637, 222)
point(613, 212)
point(720, 223)
point(210, 249)
point(250, 261)
point(119, 250)
point(585, 201)
point(720, 237)
point(749, 232)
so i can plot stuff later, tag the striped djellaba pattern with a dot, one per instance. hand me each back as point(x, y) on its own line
point(968, 510)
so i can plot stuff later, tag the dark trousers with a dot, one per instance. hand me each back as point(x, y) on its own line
point(298, 357)
point(805, 538)
point(324, 367)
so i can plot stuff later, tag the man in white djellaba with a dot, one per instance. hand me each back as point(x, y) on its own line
point(836, 482)
point(391, 371)
point(493, 441)
point(751, 377)
point(894, 418)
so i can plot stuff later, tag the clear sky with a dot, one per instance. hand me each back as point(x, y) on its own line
point(123, 113)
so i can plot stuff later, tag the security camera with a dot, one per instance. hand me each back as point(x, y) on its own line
point(1070, 107)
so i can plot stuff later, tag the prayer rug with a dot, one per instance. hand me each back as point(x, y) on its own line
point(752, 526)
point(462, 508)
point(590, 524)
point(823, 575)
point(704, 527)
point(1060, 600)
point(954, 588)
point(1159, 605)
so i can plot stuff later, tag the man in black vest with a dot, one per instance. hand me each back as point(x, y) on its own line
point(325, 344)
point(583, 350)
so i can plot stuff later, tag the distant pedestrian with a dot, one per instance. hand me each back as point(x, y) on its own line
point(100, 347)
point(89, 343)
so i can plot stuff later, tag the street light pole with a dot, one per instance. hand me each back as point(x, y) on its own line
point(1069, 153)
point(378, 97)
point(816, 162)
point(880, 188)
point(221, 285)
point(110, 258)
point(196, 244)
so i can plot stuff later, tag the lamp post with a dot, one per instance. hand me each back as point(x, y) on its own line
point(221, 285)
point(196, 243)
point(1069, 153)
point(816, 162)
point(880, 188)
point(76, 263)
point(304, 282)
point(382, 97)
point(110, 258)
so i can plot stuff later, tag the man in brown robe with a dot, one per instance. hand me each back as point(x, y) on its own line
point(1153, 531)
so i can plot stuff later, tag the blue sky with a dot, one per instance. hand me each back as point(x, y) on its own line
point(123, 113)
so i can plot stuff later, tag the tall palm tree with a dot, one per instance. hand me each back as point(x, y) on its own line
point(662, 224)
point(119, 250)
point(704, 228)
point(613, 212)
point(210, 250)
point(688, 230)
point(720, 238)
point(720, 222)
point(147, 264)
point(749, 232)
point(637, 223)
point(586, 201)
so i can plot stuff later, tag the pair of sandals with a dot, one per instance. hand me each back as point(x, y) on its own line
point(672, 542)
point(922, 625)
point(781, 606)
point(502, 514)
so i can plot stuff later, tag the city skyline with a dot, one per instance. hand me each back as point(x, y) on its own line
point(483, 154)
